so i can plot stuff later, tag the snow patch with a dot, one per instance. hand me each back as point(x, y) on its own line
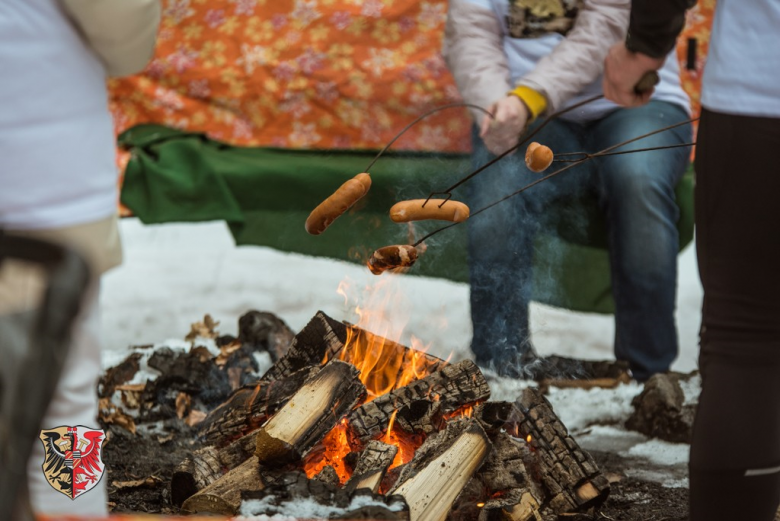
point(660, 452)
point(581, 408)
point(266, 509)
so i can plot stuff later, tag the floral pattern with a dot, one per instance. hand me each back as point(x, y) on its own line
point(315, 74)
point(299, 73)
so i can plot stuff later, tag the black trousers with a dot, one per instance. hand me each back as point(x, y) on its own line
point(735, 452)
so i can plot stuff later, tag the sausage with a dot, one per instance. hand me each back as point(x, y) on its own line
point(413, 210)
point(342, 199)
point(538, 157)
point(389, 257)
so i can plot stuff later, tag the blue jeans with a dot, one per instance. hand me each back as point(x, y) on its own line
point(636, 192)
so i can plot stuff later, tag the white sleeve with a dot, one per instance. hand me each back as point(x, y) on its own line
point(473, 49)
point(122, 32)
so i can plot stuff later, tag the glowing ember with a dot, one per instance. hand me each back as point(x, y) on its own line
point(528, 439)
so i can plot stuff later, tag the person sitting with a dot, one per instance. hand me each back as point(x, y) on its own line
point(524, 59)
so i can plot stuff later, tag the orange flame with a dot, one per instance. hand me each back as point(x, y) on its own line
point(384, 365)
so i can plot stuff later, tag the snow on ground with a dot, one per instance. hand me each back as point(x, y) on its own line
point(173, 274)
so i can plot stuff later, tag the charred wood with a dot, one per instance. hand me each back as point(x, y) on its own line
point(569, 474)
point(247, 408)
point(372, 466)
point(223, 496)
point(263, 331)
point(454, 386)
point(317, 342)
point(310, 414)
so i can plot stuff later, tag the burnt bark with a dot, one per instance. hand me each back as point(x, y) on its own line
point(207, 465)
point(223, 496)
point(569, 474)
point(317, 342)
point(263, 331)
point(372, 466)
point(310, 414)
point(453, 386)
point(247, 408)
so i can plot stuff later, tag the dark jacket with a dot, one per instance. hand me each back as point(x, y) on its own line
point(655, 25)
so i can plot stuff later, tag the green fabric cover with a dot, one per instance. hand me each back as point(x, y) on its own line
point(266, 194)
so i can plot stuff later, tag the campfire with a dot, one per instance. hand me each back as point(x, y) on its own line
point(366, 428)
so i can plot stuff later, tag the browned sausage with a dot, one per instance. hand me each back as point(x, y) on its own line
point(342, 199)
point(538, 157)
point(389, 257)
point(413, 210)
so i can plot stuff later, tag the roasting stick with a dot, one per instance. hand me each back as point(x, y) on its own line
point(588, 154)
point(585, 159)
point(645, 83)
point(353, 190)
point(420, 118)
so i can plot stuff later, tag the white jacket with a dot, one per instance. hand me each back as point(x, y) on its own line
point(57, 145)
point(487, 62)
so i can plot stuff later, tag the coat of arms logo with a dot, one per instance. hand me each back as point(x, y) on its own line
point(73, 464)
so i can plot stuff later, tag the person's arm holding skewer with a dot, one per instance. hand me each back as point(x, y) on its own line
point(653, 29)
point(475, 54)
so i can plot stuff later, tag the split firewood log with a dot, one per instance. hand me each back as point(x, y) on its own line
point(310, 414)
point(453, 386)
point(223, 496)
point(372, 466)
point(441, 468)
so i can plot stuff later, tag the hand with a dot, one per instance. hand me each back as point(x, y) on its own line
point(504, 130)
point(622, 71)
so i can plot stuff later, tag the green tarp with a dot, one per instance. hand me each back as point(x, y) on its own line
point(265, 195)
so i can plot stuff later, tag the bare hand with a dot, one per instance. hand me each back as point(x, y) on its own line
point(504, 130)
point(622, 71)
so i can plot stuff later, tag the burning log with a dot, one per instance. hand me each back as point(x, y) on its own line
point(454, 386)
point(372, 466)
point(570, 476)
point(310, 414)
point(223, 496)
point(441, 468)
point(324, 338)
point(421, 417)
point(318, 341)
point(247, 408)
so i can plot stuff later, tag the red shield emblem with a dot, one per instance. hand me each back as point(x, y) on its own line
point(73, 463)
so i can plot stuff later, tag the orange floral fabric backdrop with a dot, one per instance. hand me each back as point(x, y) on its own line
point(345, 74)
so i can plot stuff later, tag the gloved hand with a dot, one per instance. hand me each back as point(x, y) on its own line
point(504, 130)
point(622, 71)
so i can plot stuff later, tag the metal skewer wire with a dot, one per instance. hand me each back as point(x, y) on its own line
point(448, 191)
point(588, 157)
point(420, 118)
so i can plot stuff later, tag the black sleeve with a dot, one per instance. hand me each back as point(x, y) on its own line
point(655, 24)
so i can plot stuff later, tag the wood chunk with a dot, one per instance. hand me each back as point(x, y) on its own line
point(454, 386)
point(263, 331)
point(441, 468)
point(310, 414)
point(372, 466)
point(247, 408)
point(328, 475)
point(317, 342)
point(223, 496)
point(420, 417)
point(207, 465)
point(569, 474)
